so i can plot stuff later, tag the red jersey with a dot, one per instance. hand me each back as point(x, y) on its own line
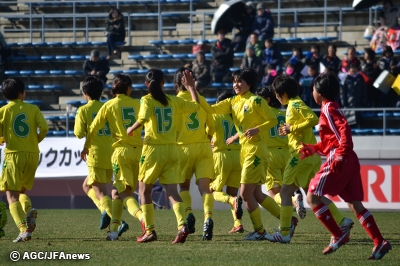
point(334, 131)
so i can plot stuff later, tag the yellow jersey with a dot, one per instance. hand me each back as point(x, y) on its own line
point(120, 113)
point(102, 141)
point(301, 120)
point(223, 129)
point(161, 122)
point(271, 136)
point(192, 126)
point(248, 111)
point(19, 124)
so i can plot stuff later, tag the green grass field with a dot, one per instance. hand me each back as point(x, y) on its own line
point(76, 231)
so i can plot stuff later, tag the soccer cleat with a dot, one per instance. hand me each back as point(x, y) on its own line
point(182, 235)
point(208, 229)
point(346, 226)
point(191, 222)
point(379, 251)
point(23, 237)
point(2, 233)
point(278, 238)
point(145, 238)
point(104, 220)
point(143, 225)
point(112, 236)
point(31, 220)
point(293, 225)
point(255, 236)
point(336, 244)
point(237, 229)
point(122, 228)
point(237, 206)
point(299, 205)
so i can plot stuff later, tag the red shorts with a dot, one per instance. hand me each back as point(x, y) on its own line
point(347, 184)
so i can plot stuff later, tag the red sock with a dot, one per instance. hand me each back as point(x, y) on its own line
point(325, 216)
point(368, 223)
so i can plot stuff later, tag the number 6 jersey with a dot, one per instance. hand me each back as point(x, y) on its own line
point(19, 124)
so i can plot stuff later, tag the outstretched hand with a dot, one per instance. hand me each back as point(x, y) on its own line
point(188, 79)
point(306, 151)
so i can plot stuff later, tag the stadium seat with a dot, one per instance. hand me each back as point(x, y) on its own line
point(34, 87)
point(48, 57)
point(187, 42)
point(56, 72)
point(208, 55)
point(233, 69)
point(32, 58)
point(74, 103)
point(168, 85)
point(150, 56)
point(77, 57)
point(165, 56)
point(69, 44)
point(54, 44)
point(211, 100)
point(59, 133)
point(115, 72)
point(326, 39)
point(394, 131)
point(135, 57)
point(53, 87)
point(83, 43)
point(73, 72)
point(368, 38)
point(294, 39)
point(26, 72)
point(24, 44)
point(361, 132)
point(309, 39)
point(120, 43)
point(142, 71)
point(238, 55)
point(63, 57)
point(42, 72)
point(99, 43)
point(279, 40)
point(217, 85)
point(39, 44)
point(179, 56)
point(138, 86)
point(286, 53)
point(12, 72)
point(156, 42)
point(51, 118)
point(130, 71)
point(170, 42)
point(35, 102)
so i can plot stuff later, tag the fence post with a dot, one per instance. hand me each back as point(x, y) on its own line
point(42, 28)
point(340, 23)
point(384, 122)
point(129, 30)
point(295, 23)
point(325, 16)
point(204, 26)
point(87, 28)
point(30, 21)
point(279, 18)
point(160, 22)
point(191, 19)
point(74, 19)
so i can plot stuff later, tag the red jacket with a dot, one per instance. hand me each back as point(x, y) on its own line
point(334, 131)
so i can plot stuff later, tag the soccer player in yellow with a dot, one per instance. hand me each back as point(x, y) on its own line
point(23, 127)
point(99, 160)
point(226, 164)
point(196, 158)
point(251, 115)
point(159, 115)
point(120, 113)
point(300, 120)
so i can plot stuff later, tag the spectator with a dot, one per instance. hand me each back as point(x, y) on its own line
point(352, 95)
point(115, 30)
point(370, 72)
point(245, 26)
point(313, 56)
point(350, 59)
point(269, 75)
point(389, 17)
point(222, 54)
point(202, 71)
point(252, 61)
point(387, 59)
point(290, 72)
point(263, 23)
point(306, 96)
point(331, 59)
point(96, 66)
point(272, 55)
point(296, 62)
point(200, 46)
point(257, 44)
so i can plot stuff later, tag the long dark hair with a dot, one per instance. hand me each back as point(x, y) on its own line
point(110, 17)
point(178, 78)
point(155, 77)
point(121, 83)
point(268, 92)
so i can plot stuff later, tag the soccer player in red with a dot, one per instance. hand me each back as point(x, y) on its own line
point(340, 174)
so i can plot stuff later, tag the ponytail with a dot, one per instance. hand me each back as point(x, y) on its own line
point(155, 77)
point(121, 84)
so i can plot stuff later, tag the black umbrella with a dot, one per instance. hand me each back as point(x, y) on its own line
point(227, 15)
point(362, 4)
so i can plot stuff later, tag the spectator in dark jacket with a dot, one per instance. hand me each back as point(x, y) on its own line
point(222, 54)
point(202, 71)
point(371, 71)
point(252, 61)
point(387, 59)
point(272, 55)
point(313, 56)
point(331, 59)
point(350, 59)
point(263, 23)
point(245, 26)
point(352, 95)
point(115, 30)
point(307, 86)
point(96, 66)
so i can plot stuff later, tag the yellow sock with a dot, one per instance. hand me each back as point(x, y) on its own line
point(208, 205)
point(236, 222)
point(223, 197)
point(187, 201)
point(278, 199)
point(337, 215)
point(179, 211)
point(270, 205)
point(286, 219)
point(105, 205)
point(18, 215)
point(25, 202)
point(92, 195)
point(148, 216)
point(255, 218)
point(133, 207)
point(116, 216)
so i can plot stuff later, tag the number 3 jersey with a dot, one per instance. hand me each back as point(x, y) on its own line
point(19, 124)
point(100, 151)
point(161, 122)
point(120, 113)
point(192, 128)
